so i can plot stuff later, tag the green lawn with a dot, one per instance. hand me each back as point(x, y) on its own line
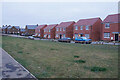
point(57, 60)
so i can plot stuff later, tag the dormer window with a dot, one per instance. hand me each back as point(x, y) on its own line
point(107, 25)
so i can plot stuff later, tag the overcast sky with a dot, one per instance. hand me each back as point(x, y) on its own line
point(24, 13)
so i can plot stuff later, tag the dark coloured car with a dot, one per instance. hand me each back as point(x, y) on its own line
point(68, 40)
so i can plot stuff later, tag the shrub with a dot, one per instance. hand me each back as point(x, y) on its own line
point(98, 69)
point(20, 51)
point(76, 56)
point(79, 61)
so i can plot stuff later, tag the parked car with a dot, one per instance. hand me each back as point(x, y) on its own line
point(83, 40)
point(31, 37)
point(64, 40)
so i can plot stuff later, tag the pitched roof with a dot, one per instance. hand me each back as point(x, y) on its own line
point(17, 27)
point(41, 26)
point(51, 26)
point(22, 29)
point(90, 21)
point(112, 18)
point(65, 24)
point(4, 27)
point(31, 26)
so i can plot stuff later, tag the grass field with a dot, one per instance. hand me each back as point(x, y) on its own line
point(46, 59)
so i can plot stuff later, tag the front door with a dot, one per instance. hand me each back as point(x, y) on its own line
point(116, 37)
point(60, 36)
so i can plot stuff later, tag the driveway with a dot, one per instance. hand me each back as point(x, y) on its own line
point(12, 69)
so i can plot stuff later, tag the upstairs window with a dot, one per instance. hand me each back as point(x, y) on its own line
point(87, 27)
point(81, 28)
point(107, 25)
point(57, 29)
point(60, 29)
point(63, 29)
point(76, 27)
point(49, 30)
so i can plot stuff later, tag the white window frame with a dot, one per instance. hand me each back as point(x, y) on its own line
point(60, 29)
point(49, 30)
point(81, 27)
point(63, 35)
point(56, 35)
point(87, 35)
point(63, 29)
point(76, 35)
point(76, 27)
point(57, 29)
point(106, 25)
point(87, 27)
point(49, 36)
point(106, 35)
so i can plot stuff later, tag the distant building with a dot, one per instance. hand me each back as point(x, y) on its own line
point(111, 28)
point(49, 31)
point(30, 29)
point(13, 29)
point(64, 29)
point(22, 31)
point(39, 31)
point(89, 28)
point(4, 29)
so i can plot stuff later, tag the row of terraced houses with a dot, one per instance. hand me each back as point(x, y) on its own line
point(93, 28)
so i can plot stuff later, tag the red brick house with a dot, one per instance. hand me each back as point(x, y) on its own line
point(64, 29)
point(4, 29)
point(49, 31)
point(110, 29)
point(89, 28)
point(22, 31)
point(39, 31)
point(30, 29)
point(13, 29)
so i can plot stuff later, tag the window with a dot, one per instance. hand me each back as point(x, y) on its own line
point(81, 28)
point(45, 35)
point(49, 30)
point(60, 29)
point(106, 35)
point(57, 29)
point(87, 35)
point(56, 35)
point(76, 27)
point(63, 35)
point(76, 35)
point(44, 30)
point(107, 25)
point(49, 36)
point(63, 29)
point(87, 27)
point(39, 35)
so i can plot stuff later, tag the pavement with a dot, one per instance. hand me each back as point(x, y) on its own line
point(11, 69)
